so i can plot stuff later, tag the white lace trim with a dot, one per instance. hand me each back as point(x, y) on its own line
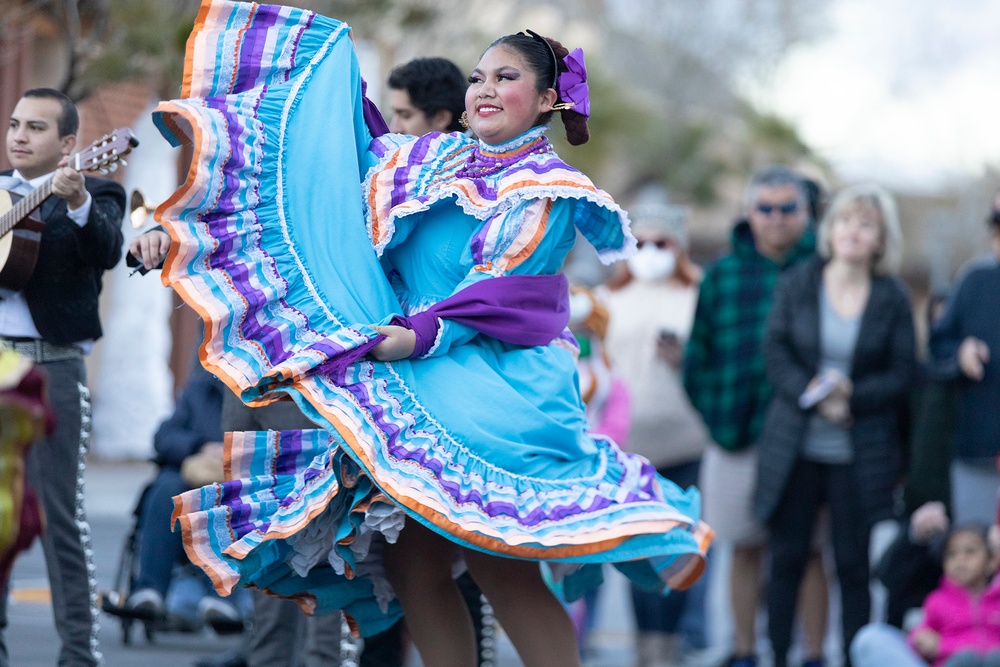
point(314, 543)
point(531, 193)
point(397, 140)
point(499, 206)
point(437, 340)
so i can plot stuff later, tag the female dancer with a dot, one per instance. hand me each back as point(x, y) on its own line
point(478, 445)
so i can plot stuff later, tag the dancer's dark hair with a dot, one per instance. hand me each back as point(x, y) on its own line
point(544, 56)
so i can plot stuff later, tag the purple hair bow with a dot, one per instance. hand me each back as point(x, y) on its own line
point(572, 84)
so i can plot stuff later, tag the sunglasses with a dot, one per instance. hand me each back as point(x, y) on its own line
point(785, 209)
point(662, 244)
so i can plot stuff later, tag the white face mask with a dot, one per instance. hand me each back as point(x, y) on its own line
point(651, 264)
point(580, 307)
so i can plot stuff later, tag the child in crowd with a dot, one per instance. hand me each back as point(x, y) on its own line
point(961, 618)
point(961, 624)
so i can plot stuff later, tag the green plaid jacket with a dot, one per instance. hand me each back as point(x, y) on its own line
point(723, 365)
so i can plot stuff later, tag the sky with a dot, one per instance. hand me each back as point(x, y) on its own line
point(904, 92)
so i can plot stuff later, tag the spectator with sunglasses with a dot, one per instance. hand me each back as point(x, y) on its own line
point(966, 343)
point(725, 379)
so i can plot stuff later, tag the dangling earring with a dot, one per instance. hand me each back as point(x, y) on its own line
point(463, 120)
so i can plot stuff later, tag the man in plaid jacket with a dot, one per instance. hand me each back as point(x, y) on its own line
point(725, 379)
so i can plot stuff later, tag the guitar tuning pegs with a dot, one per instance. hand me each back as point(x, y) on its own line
point(124, 163)
point(104, 171)
point(113, 166)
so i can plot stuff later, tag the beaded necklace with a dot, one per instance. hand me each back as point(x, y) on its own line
point(487, 163)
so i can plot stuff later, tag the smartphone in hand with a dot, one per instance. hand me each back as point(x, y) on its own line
point(817, 392)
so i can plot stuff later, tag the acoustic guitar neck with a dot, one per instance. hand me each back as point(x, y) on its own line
point(103, 155)
point(20, 234)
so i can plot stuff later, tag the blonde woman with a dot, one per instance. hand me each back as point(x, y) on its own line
point(839, 352)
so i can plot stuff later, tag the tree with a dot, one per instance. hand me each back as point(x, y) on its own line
point(665, 77)
point(144, 40)
point(81, 22)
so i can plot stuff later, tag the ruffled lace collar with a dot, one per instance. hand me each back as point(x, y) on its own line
point(517, 142)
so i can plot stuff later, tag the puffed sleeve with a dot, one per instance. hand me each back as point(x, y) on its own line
point(533, 238)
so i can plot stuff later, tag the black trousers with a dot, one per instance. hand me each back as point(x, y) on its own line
point(812, 486)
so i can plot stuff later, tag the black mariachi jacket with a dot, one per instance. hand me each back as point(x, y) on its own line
point(63, 291)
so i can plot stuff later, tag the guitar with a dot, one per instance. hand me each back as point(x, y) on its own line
point(20, 226)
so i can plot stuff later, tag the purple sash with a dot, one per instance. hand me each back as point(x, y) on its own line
point(373, 117)
point(523, 310)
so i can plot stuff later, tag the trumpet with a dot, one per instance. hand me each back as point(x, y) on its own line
point(140, 209)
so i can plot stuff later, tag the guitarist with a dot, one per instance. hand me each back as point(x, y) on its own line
point(54, 321)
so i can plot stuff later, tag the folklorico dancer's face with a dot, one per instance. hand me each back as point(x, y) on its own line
point(503, 101)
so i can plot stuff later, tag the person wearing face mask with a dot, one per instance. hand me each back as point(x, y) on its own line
point(406, 293)
point(651, 304)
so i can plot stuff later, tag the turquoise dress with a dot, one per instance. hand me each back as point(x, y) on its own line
point(294, 232)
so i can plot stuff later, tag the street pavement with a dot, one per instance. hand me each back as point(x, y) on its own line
point(112, 490)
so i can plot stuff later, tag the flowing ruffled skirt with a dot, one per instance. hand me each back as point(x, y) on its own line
point(485, 445)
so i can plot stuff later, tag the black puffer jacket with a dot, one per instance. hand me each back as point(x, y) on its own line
point(882, 370)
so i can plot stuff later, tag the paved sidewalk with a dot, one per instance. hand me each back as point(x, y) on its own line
point(112, 490)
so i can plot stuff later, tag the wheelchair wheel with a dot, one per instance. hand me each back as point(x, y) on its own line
point(113, 601)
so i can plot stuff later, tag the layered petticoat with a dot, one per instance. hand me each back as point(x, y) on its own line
point(485, 444)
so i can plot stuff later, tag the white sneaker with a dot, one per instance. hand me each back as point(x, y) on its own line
point(220, 615)
point(146, 603)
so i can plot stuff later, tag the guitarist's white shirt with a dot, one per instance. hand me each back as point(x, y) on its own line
point(15, 318)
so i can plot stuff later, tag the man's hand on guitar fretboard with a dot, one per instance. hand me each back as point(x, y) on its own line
point(68, 184)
